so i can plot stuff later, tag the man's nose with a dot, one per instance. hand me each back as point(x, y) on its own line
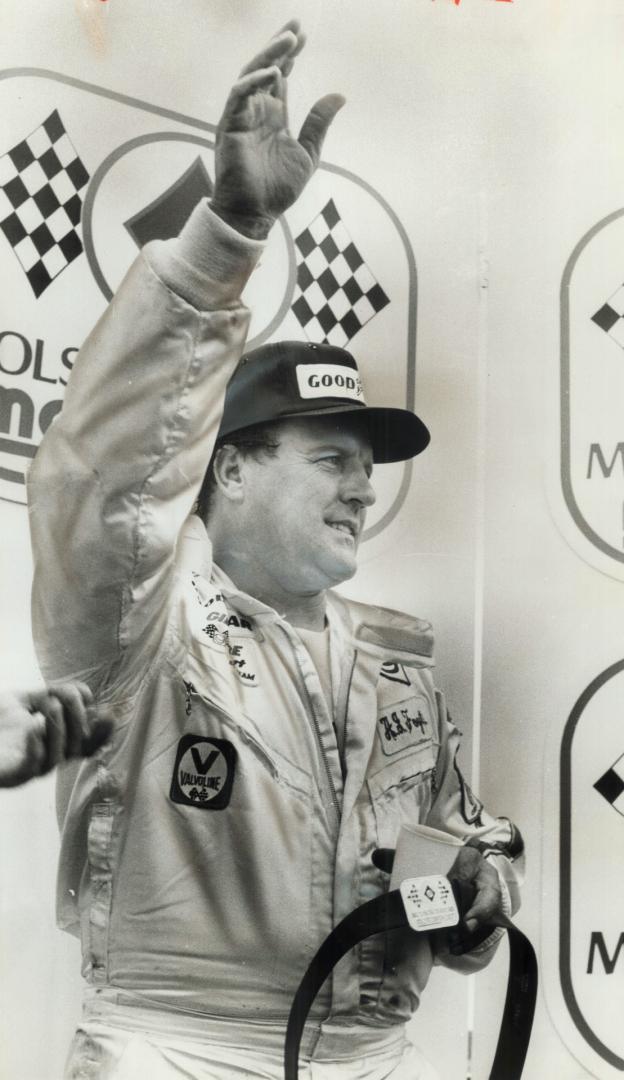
point(358, 487)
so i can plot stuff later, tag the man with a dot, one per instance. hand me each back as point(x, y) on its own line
point(269, 735)
point(43, 728)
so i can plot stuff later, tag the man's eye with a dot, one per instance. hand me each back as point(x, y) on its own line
point(330, 459)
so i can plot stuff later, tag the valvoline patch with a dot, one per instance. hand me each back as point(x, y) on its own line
point(203, 774)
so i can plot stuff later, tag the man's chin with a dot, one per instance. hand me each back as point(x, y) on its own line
point(341, 571)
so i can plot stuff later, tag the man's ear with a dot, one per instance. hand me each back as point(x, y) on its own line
point(229, 467)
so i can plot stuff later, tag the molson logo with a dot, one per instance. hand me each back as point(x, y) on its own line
point(592, 392)
point(88, 176)
point(591, 841)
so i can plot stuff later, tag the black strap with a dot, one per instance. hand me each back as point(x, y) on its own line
point(385, 913)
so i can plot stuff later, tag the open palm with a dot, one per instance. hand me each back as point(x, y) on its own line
point(261, 169)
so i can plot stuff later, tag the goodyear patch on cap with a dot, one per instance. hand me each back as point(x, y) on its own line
point(329, 380)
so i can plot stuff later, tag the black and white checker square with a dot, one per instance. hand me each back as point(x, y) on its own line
point(336, 293)
point(41, 178)
point(611, 785)
point(610, 317)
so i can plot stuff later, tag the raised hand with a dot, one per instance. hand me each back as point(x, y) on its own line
point(38, 730)
point(260, 168)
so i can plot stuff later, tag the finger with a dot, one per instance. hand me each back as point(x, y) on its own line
point(85, 691)
point(294, 25)
point(288, 62)
point(283, 93)
point(467, 865)
point(36, 748)
point(266, 79)
point(99, 731)
point(317, 122)
point(486, 904)
point(278, 49)
point(100, 725)
point(74, 708)
point(54, 733)
point(34, 700)
point(278, 89)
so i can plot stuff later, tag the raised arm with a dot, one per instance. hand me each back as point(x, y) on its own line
point(118, 471)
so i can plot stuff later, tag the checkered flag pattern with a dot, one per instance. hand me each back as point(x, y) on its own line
point(611, 785)
point(610, 317)
point(336, 293)
point(40, 204)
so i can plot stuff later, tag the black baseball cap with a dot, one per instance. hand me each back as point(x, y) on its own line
point(288, 379)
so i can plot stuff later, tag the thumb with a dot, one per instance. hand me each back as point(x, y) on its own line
point(100, 730)
point(316, 123)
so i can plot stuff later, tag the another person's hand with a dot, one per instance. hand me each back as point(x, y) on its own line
point(260, 168)
point(39, 730)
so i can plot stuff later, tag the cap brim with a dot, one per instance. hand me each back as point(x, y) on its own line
point(395, 434)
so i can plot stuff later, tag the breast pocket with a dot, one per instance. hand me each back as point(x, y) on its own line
point(401, 791)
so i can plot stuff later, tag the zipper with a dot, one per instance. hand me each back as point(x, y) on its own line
point(317, 731)
point(344, 709)
point(294, 644)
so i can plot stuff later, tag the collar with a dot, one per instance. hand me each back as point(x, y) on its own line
point(380, 629)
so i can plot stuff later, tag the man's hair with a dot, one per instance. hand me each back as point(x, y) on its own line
point(257, 441)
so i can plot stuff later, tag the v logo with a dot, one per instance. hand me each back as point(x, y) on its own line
point(203, 767)
point(203, 774)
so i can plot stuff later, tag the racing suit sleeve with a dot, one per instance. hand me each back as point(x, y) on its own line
point(457, 810)
point(118, 471)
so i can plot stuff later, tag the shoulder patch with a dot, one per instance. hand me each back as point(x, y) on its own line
point(203, 774)
point(394, 672)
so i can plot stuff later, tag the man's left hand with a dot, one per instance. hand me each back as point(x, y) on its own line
point(482, 884)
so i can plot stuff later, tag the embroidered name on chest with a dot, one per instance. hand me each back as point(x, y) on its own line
point(402, 725)
point(403, 718)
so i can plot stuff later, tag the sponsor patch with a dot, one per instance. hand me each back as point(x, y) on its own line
point(203, 774)
point(219, 618)
point(236, 653)
point(329, 380)
point(394, 672)
point(217, 623)
point(403, 725)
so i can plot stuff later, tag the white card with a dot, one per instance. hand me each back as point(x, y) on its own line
point(429, 902)
point(421, 850)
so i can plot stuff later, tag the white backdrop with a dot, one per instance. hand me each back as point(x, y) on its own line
point(494, 132)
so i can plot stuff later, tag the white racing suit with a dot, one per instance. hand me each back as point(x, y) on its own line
point(213, 843)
